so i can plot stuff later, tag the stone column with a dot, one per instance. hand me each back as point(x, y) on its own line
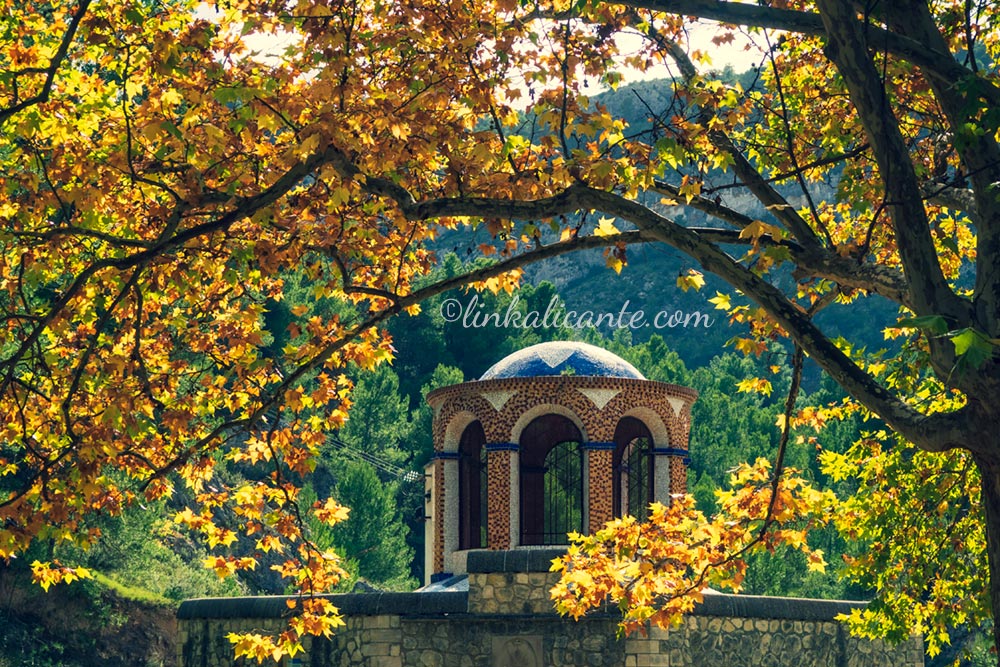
point(451, 509)
point(502, 499)
point(444, 511)
point(669, 472)
point(432, 546)
point(599, 487)
point(437, 514)
point(661, 474)
point(678, 473)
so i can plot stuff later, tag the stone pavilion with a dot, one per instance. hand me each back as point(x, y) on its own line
point(555, 438)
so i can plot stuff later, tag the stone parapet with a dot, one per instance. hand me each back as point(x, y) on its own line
point(506, 617)
point(511, 593)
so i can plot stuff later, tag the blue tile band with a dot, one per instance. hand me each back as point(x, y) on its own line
point(502, 447)
point(599, 446)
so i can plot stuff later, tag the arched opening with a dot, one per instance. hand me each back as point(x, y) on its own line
point(472, 486)
point(551, 480)
point(633, 469)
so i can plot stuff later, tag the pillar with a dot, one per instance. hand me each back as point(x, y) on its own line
point(444, 512)
point(502, 497)
point(669, 473)
point(432, 545)
point(599, 484)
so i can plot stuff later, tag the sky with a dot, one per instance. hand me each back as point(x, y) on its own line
point(741, 54)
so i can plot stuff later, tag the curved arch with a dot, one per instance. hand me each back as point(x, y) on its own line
point(454, 428)
point(551, 479)
point(543, 409)
point(653, 421)
point(633, 468)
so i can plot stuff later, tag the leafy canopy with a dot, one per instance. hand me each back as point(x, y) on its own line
point(159, 178)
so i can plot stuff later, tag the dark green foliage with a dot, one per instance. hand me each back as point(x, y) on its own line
point(86, 624)
point(379, 418)
point(375, 536)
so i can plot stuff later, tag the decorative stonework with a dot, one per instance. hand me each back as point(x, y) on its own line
point(601, 497)
point(600, 397)
point(439, 500)
point(507, 404)
point(678, 404)
point(566, 391)
point(517, 651)
point(507, 615)
point(498, 498)
point(555, 356)
point(678, 476)
point(498, 399)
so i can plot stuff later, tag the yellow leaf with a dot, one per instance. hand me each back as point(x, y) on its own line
point(693, 280)
point(308, 145)
point(816, 563)
point(689, 188)
point(755, 385)
point(606, 227)
point(721, 301)
point(615, 262)
point(759, 228)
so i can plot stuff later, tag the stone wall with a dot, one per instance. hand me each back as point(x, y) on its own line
point(511, 593)
point(500, 616)
point(484, 641)
point(479, 641)
point(760, 642)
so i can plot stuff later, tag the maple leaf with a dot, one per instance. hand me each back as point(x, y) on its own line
point(691, 280)
point(606, 227)
point(721, 301)
point(755, 385)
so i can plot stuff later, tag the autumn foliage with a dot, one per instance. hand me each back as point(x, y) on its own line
point(659, 569)
point(165, 165)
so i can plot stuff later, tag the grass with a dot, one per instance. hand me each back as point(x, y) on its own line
point(131, 593)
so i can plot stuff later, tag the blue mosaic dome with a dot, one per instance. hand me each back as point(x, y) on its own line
point(562, 358)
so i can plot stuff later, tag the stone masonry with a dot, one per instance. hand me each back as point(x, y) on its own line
point(505, 618)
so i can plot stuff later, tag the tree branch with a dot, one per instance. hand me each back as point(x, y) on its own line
point(955, 198)
point(54, 64)
point(400, 303)
point(847, 49)
point(937, 432)
point(848, 272)
point(808, 23)
point(980, 157)
point(745, 171)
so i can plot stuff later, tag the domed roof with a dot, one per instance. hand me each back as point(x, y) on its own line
point(562, 358)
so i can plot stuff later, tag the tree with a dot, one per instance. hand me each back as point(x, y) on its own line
point(374, 540)
point(379, 422)
point(158, 176)
point(158, 179)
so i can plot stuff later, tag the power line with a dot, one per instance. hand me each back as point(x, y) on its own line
point(379, 462)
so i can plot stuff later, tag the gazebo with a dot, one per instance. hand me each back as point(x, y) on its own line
point(555, 438)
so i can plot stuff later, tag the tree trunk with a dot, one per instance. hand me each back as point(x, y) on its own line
point(990, 473)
